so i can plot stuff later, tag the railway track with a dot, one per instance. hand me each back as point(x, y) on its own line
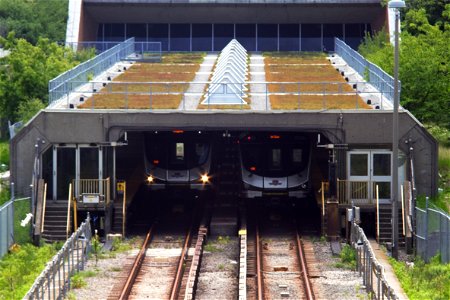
point(276, 263)
point(166, 267)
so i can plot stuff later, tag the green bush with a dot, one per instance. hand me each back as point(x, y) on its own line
point(348, 258)
point(4, 155)
point(20, 268)
point(424, 281)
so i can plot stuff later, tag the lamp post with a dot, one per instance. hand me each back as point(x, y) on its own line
point(396, 5)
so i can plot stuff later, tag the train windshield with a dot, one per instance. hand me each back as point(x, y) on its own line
point(274, 158)
point(179, 153)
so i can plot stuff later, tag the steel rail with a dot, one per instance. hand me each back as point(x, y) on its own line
point(301, 256)
point(258, 265)
point(136, 266)
point(179, 275)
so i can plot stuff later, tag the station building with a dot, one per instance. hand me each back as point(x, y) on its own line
point(351, 147)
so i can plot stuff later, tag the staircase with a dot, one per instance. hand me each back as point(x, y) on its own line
point(55, 221)
point(227, 180)
point(386, 226)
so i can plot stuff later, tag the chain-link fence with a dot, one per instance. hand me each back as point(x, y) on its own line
point(432, 234)
point(14, 225)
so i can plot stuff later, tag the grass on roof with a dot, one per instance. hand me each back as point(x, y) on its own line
point(314, 74)
point(315, 102)
point(175, 67)
point(120, 101)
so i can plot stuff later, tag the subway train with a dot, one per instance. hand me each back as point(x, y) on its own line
point(177, 159)
point(275, 164)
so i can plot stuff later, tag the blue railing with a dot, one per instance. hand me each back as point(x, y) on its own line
point(141, 48)
point(369, 71)
point(79, 75)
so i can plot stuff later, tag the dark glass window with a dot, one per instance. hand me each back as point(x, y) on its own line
point(201, 37)
point(180, 37)
point(223, 34)
point(47, 171)
point(311, 37)
point(88, 163)
point(381, 164)
point(159, 33)
point(275, 159)
point(100, 32)
point(359, 165)
point(65, 171)
point(354, 33)
point(267, 37)
point(330, 31)
point(246, 35)
point(289, 37)
point(114, 32)
point(138, 31)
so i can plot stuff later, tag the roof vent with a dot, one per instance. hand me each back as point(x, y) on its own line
point(229, 81)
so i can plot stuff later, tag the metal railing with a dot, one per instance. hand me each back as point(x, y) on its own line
point(358, 192)
point(432, 234)
point(369, 71)
point(177, 95)
point(55, 281)
point(152, 49)
point(369, 267)
point(100, 187)
point(73, 78)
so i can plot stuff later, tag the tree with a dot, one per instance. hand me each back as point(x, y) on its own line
point(26, 72)
point(424, 68)
point(31, 19)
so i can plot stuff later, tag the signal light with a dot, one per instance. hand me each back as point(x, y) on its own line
point(155, 162)
point(253, 168)
point(178, 131)
point(249, 138)
point(150, 179)
point(274, 137)
point(205, 178)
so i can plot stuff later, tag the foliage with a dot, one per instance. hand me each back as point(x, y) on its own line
point(22, 233)
point(211, 248)
point(26, 72)
point(424, 69)
point(424, 281)
point(4, 153)
point(78, 280)
point(348, 258)
point(31, 19)
point(96, 247)
point(19, 269)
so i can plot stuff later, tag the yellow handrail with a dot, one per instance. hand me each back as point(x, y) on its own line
point(68, 211)
point(43, 207)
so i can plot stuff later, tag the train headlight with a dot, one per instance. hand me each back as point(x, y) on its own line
point(204, 178)
point(150, 179)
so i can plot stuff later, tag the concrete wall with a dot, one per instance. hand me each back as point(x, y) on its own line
point(363, 129)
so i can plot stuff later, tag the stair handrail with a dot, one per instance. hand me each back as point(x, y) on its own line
point(68, 211)
point(44, 207)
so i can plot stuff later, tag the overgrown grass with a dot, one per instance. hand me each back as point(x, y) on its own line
point(21, 233)
point(78, 280)
point(19, 269)
point(4, 155)
point(424, 281)
point(348, 258)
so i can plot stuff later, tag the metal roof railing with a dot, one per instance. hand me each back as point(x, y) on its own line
point(65, 83)
point(369, 71)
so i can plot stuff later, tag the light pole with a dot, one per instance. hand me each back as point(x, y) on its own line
point(396, 5)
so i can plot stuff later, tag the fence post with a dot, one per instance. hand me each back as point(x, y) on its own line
point(426, 228)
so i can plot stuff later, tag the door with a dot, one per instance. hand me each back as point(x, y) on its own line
point(366, 170)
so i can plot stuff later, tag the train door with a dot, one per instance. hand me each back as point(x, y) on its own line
point(366, 170)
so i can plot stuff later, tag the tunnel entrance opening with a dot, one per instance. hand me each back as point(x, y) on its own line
point(167, 170)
